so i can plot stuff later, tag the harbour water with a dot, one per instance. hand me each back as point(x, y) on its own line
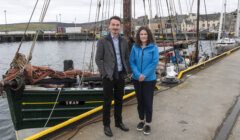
point(52, 54)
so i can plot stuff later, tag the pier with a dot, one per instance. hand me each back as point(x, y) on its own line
point(15, 37)
point(195, 109)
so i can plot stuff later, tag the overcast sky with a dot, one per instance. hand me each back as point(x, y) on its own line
point(71, 10)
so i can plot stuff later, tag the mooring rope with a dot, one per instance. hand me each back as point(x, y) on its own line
point(54, 106)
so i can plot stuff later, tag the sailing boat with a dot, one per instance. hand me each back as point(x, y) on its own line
point(41, 97)
point(179, 62)
point(225, 43)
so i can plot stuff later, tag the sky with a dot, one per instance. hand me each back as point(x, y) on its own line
point(78, 10)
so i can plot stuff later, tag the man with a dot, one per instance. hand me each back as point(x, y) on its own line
point(113, 64)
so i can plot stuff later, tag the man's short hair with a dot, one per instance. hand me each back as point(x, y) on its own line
point(116, 18)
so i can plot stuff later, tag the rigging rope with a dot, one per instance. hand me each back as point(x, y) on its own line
point(106, 9)
point(42, 16)
point(185, 34)
point(180, 7)
point(22, 63)
point(96, 21)
point(121, 9)
point(133, 12)
point(109, 3)
point(25, 31)
point(161, 14)
point(210, 42)
point(158, 9)
point(170, 12)
point(173, 7)
point(187, 6)
point(181, 13)
point(160, 4)
point(224, 18)
point(145, 13)
point(190, 12)
point(90, 10)
point(113, 7)
point(103, 21)
point(134, 8)
point(173, 34)
point(85, 47)
point(150, 13)
point(174, 13)
point(191, 6)
point(157, 12)
point(91, 66)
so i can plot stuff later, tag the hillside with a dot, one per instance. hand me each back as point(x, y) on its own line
point(32, 27)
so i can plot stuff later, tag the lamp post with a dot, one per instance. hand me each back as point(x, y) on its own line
point(75, 20)
point(60, 18)
point(5, 13)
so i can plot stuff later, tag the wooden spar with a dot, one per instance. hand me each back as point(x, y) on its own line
point(127, 18)
point(197, 51)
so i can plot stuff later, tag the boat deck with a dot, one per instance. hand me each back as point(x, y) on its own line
point(192, 110)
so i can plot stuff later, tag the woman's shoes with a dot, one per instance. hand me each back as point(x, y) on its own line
point(146, 130)
point(140, 126)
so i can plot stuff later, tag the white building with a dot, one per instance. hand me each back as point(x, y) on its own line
point(73, 29)
point(210, 21)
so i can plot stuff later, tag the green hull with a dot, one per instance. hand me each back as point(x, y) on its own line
point(32, 107)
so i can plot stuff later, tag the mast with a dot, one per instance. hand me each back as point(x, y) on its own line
point(127, 18)
point(221, 21)
point(198, 13)
point(150, 6)
point(237, 20)
point(224, 19)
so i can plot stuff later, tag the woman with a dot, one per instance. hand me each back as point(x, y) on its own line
point(143, 62)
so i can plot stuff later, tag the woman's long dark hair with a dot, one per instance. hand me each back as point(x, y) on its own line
point(149, 33)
